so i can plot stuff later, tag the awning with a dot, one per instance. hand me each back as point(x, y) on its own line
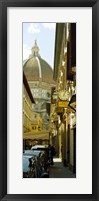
point(36, 136)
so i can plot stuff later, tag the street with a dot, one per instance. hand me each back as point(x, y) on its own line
point(59, 171)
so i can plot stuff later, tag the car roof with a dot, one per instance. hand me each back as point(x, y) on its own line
point(39, 146)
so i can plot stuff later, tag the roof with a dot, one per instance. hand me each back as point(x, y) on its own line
point(27, 88)
point(36, 68)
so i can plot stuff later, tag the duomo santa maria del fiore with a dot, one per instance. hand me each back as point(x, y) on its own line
point(39, 75)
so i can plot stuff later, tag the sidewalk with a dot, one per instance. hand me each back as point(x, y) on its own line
point(59, 171)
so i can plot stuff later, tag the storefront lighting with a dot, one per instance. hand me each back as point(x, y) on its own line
point(63, 63)
point(69, 98)
point(71, 123)
point(71, 114)
point(65, 114)
point(59, 121)
point(73, 90)
point(65, 50)
point(69, 89)
point(72, 120)
point(61, 73)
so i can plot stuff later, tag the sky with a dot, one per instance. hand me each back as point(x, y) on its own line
point(44, 33)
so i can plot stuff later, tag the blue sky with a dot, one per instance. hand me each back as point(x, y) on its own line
point(44, 33)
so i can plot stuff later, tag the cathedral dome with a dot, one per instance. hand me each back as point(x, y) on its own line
point(36, 68)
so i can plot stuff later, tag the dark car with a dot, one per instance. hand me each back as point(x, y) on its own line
point(36, 155)
point(29, 169)
point(41, 161)
point(43, 148)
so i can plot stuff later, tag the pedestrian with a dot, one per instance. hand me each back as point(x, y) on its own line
point(49, 153)
point(61, 151)
point(52, 154)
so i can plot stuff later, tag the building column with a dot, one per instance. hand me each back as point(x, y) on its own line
point(60, 143)
point(57, 141)
point(64, 143)
point(71, 149)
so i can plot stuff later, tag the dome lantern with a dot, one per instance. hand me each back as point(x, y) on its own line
point(35, 49)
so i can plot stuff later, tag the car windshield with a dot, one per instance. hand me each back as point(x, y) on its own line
point(32, 152)
point(26, 163)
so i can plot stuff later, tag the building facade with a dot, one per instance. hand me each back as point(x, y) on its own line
point(36, 122)
point(64, 94)
point(28, 101)
point(39, 75)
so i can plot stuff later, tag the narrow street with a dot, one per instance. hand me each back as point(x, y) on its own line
point(59, 171)
point(49, 103)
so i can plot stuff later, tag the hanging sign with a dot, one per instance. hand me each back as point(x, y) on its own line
point(63, 104)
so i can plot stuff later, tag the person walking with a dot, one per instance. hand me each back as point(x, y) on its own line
point(52, 154)
point(49, 153)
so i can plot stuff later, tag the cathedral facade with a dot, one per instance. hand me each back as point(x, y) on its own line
point(39, 75)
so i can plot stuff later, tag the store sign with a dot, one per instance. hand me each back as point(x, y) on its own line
point(63, 104)
point(59, 110)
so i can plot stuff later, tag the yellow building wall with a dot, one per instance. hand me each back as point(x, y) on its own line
point(27, 111)
point(36, 122)
point(71, 147)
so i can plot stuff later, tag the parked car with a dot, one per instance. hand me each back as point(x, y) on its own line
point(44, 148)
point(41, 161)
point(29, 168)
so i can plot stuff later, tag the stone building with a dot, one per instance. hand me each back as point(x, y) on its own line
point(36, 122)
point(40, 79)
point(65, 91)
point(28, 101)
